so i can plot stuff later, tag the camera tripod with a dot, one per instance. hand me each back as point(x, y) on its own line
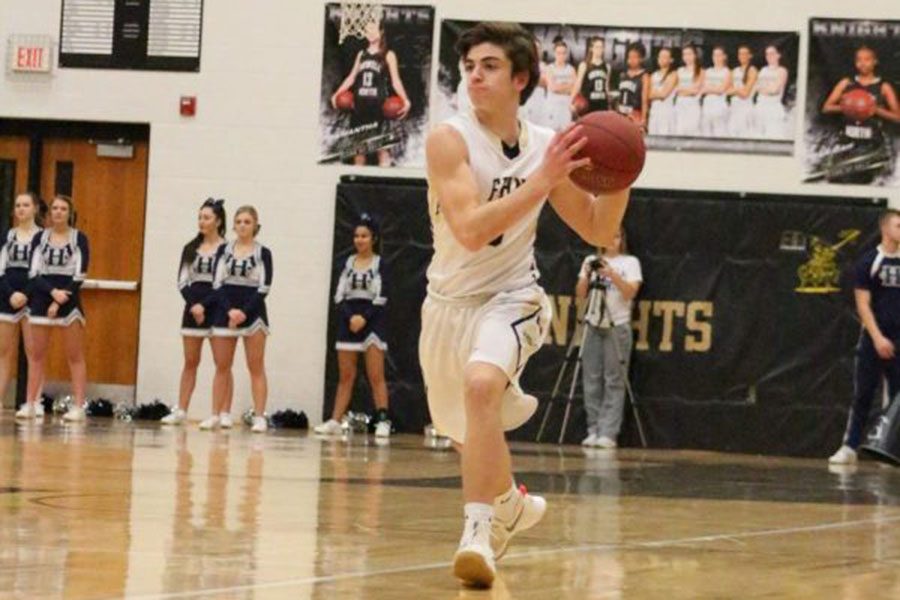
point(574, 355)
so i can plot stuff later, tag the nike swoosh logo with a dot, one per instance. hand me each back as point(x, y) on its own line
point(515, 522)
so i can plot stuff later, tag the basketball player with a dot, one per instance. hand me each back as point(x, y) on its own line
point(243, 277)
point(743, 82)
point(59, 263)
point(560, 83)
point(770, 86)
point(877, 291)
point(369, 80)
point(662, 95)
point(634, 86)
point(687, 101)
point(195, 279)
point(717, 82)
point(592, 80)
point(489, 175)
point(15, 260)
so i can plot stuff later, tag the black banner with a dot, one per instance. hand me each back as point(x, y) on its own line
point(744, 328)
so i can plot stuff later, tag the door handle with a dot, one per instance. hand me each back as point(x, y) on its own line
point(110, 284)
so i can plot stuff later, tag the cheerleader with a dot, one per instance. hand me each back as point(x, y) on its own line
point(634, 86)
point(770, 114)
point(533, 109)
point(195, 277)
point(59, 264)
point(717, 82)
point(662, 95)
point(15, 261)
point(592, 81)
point(360, 297)
point(560, 82)
point(687, 101)
point(743, 80)
point(243, 276)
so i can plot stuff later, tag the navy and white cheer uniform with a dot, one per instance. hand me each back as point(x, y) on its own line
point(879, 273)
point(195, 282)
point(60, 267)
point(241, 282)
point(361, 292)
point(15, 262)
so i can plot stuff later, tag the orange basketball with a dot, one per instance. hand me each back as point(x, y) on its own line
point(345, 100)
point(616, 148)
point(858, 105)
point(392, 107)
point(580, 104)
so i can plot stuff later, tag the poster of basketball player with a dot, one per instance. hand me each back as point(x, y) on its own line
point(376, 68)
point(852, 110)
point(690, 89)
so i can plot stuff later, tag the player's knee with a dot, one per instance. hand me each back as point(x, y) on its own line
point(347, 375)
point(482, 391)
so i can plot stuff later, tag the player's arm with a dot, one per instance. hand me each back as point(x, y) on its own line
point(883, 346)
point(396, 82)
point(348, 81)
point(833, 102)
point(579, 80)
point(596, 219)
point(777, 88)
point(749, 83)
point(473, 224)
point(892, 112)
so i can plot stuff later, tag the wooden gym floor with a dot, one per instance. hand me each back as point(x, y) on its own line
point(111, 510)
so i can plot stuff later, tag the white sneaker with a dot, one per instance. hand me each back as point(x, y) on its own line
point(209, 423)
point(225, 420)
point(607, 443)
point(529, 510)
point(329, 427)
point(176, 417)
point(76, 413)
point(589, 441)
point(383, 429)
point(38, 410)
point(260, 425)
point(473, 563)
point(26, 411)
point(844, 456)
point(517, 407)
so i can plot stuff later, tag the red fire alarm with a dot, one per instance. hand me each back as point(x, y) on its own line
point(188, 106)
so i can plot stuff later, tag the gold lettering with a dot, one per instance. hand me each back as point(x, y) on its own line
point(642, 326)
point(703, 342)
point(667, 309)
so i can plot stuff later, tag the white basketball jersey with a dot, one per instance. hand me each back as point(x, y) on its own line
point(715, 76)
point(768, 77)
point(507, 263)
point(737, 78)
point(686, 80)
point(657, 82)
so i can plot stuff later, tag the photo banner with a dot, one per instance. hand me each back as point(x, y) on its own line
point(737, 95)
point(376, 69)
point(852, 111)
point(744, 331)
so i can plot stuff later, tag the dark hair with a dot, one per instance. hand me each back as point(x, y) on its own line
point(190, 249)
point(517, 43)
point(371, 223)
point(636, 47)
point(696, 58)
point(749, 66)
point(71, 205)
point(886, 214)
point(669, 68)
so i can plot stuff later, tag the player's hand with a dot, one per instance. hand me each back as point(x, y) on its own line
point(53, 310)
point(885, 348)
point(334, 101)
point(60, 296)
point(405, 109)
point(198, 312)
point(18, 300)
point(559, 160)
point(357, 323)
point(235, 317)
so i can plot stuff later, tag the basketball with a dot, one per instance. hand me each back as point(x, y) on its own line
point(580, 104)
point(345, 100)
point(858, 105)
point(616, 148)
point(392, 107)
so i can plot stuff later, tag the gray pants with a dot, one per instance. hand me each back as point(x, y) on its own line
point(604, 378)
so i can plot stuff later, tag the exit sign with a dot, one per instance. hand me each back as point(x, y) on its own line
point(30, 53)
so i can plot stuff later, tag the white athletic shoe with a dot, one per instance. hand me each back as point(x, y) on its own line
point(607, 443)
point(76, 413)
point(225, 420)
point(528, 512)
point(26, 411)
point(517, 407)
point(844, 456)
point(209, 423)
point(473, 563)
point(589, 441)
point(176, 417)
point(38, 410)
point(329, 427)
point(383, 429)
point(260, 425)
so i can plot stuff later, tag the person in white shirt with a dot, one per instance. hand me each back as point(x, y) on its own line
point(743, 82)
point(715, 107)
point(770, 87)
point(609, 280)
